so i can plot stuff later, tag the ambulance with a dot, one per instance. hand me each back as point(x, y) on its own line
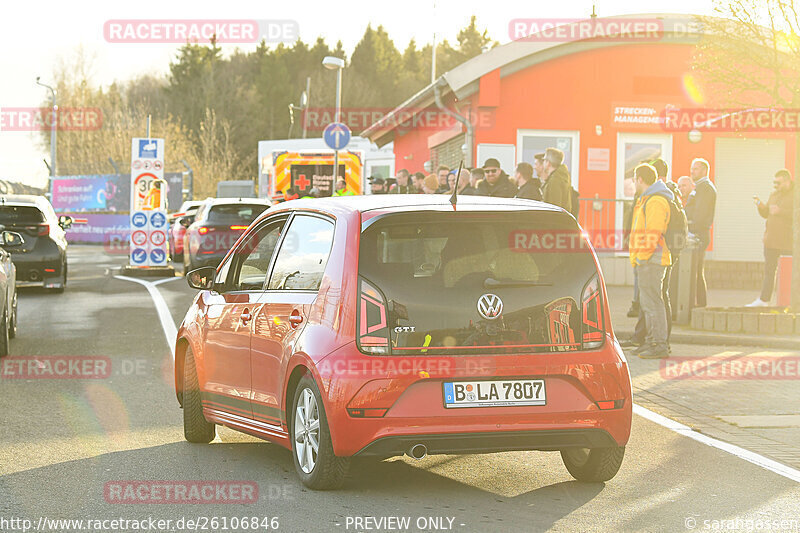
point(292, 174)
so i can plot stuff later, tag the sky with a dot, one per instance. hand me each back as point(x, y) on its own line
point(36, 36)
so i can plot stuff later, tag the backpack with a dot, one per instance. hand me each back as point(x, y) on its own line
point(574, 202)
point(677, 228)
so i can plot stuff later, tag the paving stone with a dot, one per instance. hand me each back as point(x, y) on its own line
point(734, 323)
point(766, 323)
point(784, 324)
point(697, 318)
point(708, 320)
point(750, 322)
point(720, 321)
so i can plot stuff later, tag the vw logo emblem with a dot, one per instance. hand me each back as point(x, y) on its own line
point(490, 306)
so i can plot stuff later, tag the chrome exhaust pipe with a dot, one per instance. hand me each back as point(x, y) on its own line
point(418, 451)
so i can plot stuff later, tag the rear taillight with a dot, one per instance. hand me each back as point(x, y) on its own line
point(373, 329)
point(592, 314)
point(203, 230)
point(238, 228)
point(43, 230)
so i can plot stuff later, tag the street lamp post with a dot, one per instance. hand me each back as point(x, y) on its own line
point(336, 63)
point(53, 131)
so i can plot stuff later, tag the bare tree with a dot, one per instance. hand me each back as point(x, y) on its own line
point(750, 57)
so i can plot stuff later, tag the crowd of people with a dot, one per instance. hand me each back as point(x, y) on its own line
point(547, 179)
point(661, 207)
point(666, 217)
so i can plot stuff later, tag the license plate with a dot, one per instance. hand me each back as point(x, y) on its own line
point(494, 393)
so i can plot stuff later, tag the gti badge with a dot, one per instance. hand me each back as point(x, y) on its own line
point(490, 306)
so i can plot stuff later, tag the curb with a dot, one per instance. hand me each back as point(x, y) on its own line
point(704, 338)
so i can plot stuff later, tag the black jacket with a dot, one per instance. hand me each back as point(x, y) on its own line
point(705, 202)
point(502, 188)
point(531, 190)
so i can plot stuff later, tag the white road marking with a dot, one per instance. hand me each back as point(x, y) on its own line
point(167, 324)
point(747, 455)
point(171, 333)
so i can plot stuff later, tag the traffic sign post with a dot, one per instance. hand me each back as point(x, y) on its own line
point(337, 136)
point(148, 208)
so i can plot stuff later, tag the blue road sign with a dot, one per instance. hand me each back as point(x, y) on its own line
point(139, 256)
point(158, 219)
point(139, 219)
point(158, 255)
point(148, 149)
point(336, 135)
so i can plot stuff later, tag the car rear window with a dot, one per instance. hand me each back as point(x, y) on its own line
point(459, 282)
point(12, 215)
point(234, 213)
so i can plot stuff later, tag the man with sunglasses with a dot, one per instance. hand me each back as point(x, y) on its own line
point(496, 183)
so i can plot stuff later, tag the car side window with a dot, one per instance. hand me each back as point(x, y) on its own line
point(304, 252)
point(254, 256)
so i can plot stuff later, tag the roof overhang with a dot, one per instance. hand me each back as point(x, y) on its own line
point(464, 80)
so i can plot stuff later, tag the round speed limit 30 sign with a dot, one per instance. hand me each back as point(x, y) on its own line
point(142, 184)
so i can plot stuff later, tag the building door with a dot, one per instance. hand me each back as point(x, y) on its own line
point(633, 149)
point(744, 168)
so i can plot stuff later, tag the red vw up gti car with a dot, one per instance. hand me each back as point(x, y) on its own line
point(392, 324)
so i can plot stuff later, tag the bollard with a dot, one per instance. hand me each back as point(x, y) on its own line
point(685, 288)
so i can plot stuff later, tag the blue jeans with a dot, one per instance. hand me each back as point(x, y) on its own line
point(651, 302)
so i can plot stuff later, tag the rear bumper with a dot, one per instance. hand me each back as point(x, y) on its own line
point(463, 443)
point(404, 402)
point(36, 267)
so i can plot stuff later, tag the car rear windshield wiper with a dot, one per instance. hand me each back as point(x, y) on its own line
point(491, 282)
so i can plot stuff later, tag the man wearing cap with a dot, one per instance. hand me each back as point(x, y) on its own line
point(538, 166)
point(496, 183)
point(377, 186)
point(557, 188)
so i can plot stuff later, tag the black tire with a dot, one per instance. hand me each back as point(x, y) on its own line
point(329, 470)
point(4, 341)
point(195, 426)
point(593, 464)
point(12, 325)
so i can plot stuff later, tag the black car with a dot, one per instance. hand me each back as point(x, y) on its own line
point(42, 255)
point(217, 225)
point(8, 289)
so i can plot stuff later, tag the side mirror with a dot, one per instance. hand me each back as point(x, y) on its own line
point(12, 238)
point(65, 221)
point(186, 221)
point(201, 278)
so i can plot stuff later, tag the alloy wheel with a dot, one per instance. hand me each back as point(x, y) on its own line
point(306, 430)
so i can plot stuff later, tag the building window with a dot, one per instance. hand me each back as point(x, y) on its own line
point(532, 142)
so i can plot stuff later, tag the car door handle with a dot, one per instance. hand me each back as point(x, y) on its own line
point(246, 316)
point(295, 319)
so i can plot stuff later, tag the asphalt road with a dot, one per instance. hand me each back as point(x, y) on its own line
point(62, 441)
